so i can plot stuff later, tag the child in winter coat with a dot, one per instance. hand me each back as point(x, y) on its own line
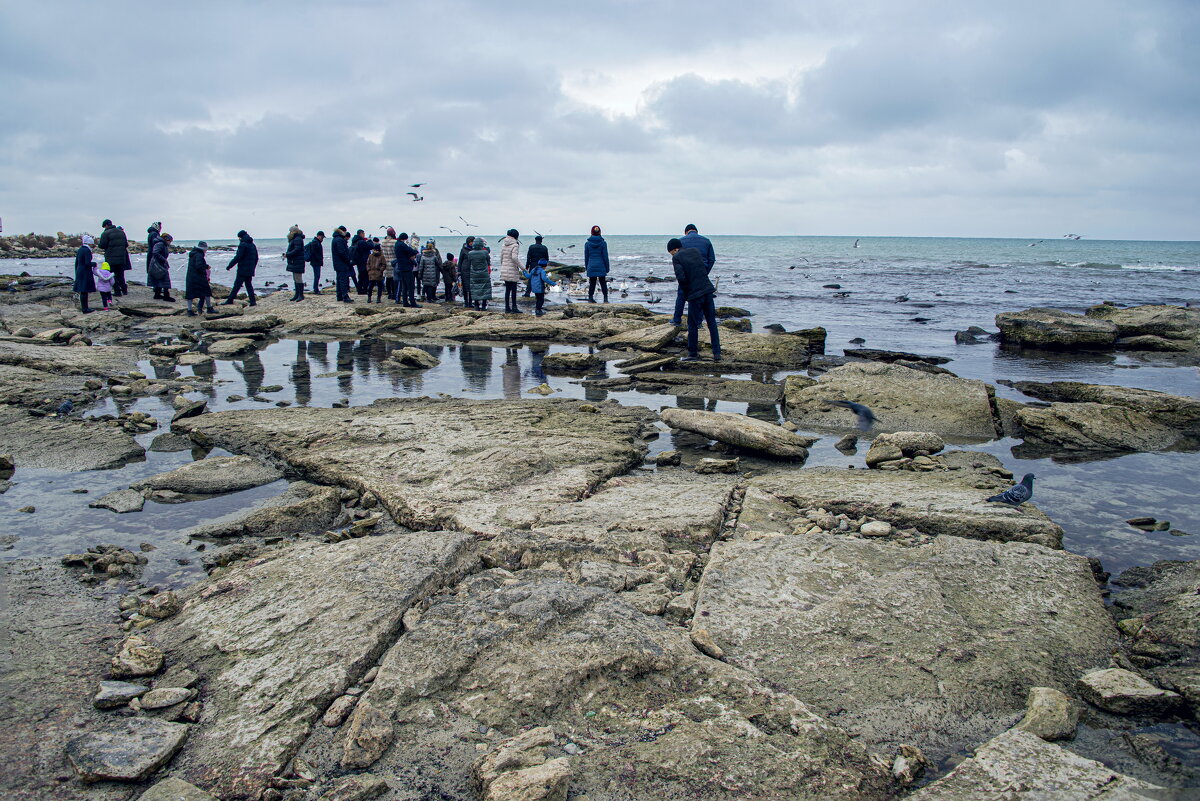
point(104, 277)
point(449, 276)
point(538, 280)
point(376, 265)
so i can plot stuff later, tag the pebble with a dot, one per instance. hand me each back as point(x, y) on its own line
point(876, 528)
point(28, 509)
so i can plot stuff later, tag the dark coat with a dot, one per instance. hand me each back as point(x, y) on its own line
point(360, 251)
point(535, 254)
point(159, 255)
point(151, 235)
point(691, 274)
point(84, 282)
point(595, 256)
point(480, 261)
point(463, 252)
point(340, 252)
point(701, 245)
point(405, 253)
point(316, 252)
point(246, 258)
point(195, 284)
point(115, 245)
point(295, 254)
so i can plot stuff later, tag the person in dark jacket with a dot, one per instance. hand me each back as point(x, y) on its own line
point(115, 245)
point(151, 234)
point(464, 270)
point(406, 279)
point(537, 251)
point(84, 281)
point(295, 260)
point(162, 284)
point(692, 275)
point(316, 257)
point(480, 261)
point(449, 275)
point(342, 266)
point(702, 245)
point(196, 284)
point(360, 251)
point(246, 261)
point(160, 267)
point(595, 259)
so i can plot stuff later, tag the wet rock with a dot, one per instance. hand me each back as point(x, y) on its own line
point(726, 312)
point(170, 443)
point(789, 351)
point(1174, 411)
point(630, 691)
point(740, 431)
point(979, 623)
point(892, 356)
point(136, 657)
point(121, 501)
point(709, 466)
point(360, 787)
point(847, 444)
point(693, 385)
point(160, 606)
point(1161, 607)
point(301, 507)
point(1050, 714)
point(215, 476)
point(903, 399)
point(1054, 329)
point(303, 621)
point(65, 444)
point(107, 362)
point(194, 359)
point(168, 350)
point(1147, 342)
point(902, 444)
point(242, 324)
point(653, 338)
point(117, 693)
point(1018, 766)
point(412, 453)
point(166, 696)
point(571, 362)
point(128, 749)
point(173, 789)
point(1125, 693)
point(1092, 427)
point(736, 325)
point(189, 409)
point(414, 358)
point(1177, 323)
point(668, 458)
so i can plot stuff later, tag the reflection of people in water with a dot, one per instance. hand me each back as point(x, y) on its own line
point(318, 351)
point(345, 364)
point(535, 364)
point(253, 372)
point(476, 363)
point(510, 375)
point(302, 374)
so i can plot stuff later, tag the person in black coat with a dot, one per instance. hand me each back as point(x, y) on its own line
point(84, 281)
point(464, 271)
point(342, 266)
point(196, 284)
point(115, 245)
point(160, 267)
point(295, 260)
point(406, 280)
point(316, 257)
point(692, 275)
point(360, 251)
point(537, 251)
point(246, 261)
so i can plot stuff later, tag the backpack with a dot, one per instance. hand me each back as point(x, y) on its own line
point(308, 251)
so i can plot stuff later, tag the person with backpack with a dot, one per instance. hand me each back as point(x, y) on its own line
point(430, 268)
point(692, 274)
point(295, 260)
point(360, 250)
point(537, 251)
point(246, 261)
point(314, 254)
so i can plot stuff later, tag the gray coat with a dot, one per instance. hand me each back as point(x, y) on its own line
point(480, 262)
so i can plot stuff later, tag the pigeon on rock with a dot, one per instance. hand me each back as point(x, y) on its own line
point(65, 408)
point(866, 417)
point(1016, 495)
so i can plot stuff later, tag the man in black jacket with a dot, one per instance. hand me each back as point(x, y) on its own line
point(316, 257)
point(342, 267)
point(406, 290)
point(692, 275)
point(246, 261)
point(360, 251)
point(115, 245)
point(537, 251)
point(464, 271)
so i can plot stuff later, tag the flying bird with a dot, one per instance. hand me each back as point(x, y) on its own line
point(469, 225)
point(855, 243)
point(1016, 495)
point(65, 408)
point(452, 230)
point(416, 186)
point(866, 417)
point(415, 196)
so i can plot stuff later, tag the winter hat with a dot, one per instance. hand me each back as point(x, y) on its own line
point(403, 237)
point(538, 239)
point(106, 267)
point(242, 234)
point(106, 224)
point(391, 232)
point(674, 244)
point(87, 239)
point(690, 227)
point(202, 245)
point(514, 233)
point(595, 230)
point(542, 262)
point(480, 244)
point(166, 237)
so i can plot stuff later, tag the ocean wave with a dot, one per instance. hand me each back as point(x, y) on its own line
point(1167, 268)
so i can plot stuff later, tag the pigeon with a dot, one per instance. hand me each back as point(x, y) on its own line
point(866, 417)
point(1017, 494)
point(65, 408)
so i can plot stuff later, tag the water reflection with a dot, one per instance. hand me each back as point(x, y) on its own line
point(302, 374)
point(510, 375)
point(476, 366)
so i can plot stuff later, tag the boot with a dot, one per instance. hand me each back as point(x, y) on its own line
point(167, 296)
point(158, 294)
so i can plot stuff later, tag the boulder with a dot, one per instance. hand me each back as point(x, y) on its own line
point(1174, 411)
point(1147, 342)
point(934, 645)
point(627, 689)
point(160, 605)
point(1054, 329)
point(1165, 321)
point(136, 657)
point(279, 637)
point(1018, 766)
point(524, 458)
point(359, 787)
point(302, 507)
point(121, 501)
point(570, 362)
point(117, 693)
point(185, 408)
point(903, 399)
point(791, 351)
point(414, 358)
point(214, 476)
point(901, 444)
point(741, 431)
point(727, 312)
point(1092, 427)
point(711, 466)
point(1124, 692)
point(1165, 597)
point(64, 444)
point(173, 789)
point(163, 697)
point(242, 324)
point(125, 750)
point(228, 348)
point(168, 350)
point(1050, 714)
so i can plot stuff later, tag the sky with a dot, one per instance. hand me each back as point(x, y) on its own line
point(798, 117)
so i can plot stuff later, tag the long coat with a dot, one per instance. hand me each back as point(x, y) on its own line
point(295, 255)
point(480, 263)
point(595, 256)
point(115, 245)
point(159, 254)
point(84, 282)
point(431, 267)
point(510, 259)
point(196, 283)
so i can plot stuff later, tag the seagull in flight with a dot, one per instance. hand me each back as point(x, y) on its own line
point(469, 225)
point(452, 230)
point(416, 186)
point(415, 197)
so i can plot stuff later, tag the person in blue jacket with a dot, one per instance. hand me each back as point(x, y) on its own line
point(342, 266)
point(246, 261)
point(692, 276)
point(538, 280)
point(84, 281)
point(595, 259)
point(701, 244)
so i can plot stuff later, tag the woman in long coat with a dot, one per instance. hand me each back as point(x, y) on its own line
point(197, 285)
point(160, 268)
point(481, 273)
point(84, 282)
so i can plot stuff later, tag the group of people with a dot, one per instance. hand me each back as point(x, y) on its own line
point(396, 265)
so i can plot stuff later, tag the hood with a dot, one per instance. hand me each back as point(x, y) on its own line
point(595, 238)
point(153, 229)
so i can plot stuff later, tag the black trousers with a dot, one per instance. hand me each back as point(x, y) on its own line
point(510, 295)
point(372, 286)
point(702, 309)
point(408, 288)
point(238, 283)
point(430, 292)
point(83, 302)
point(360, 280)
point(106, 298)
point(540, 299)
point(119, 287)
point(449, 282)
point(592, 287)
point(343, 284)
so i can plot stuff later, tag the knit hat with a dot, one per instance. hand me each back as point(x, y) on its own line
point(242, 234)
point(202, 245)
point(391, 232)
point(538, 239)
point(166, 237)
point(595, 230)
point(87, 239)
point(674, 244)
point(106, 267)
point(514, 233)
point(542, 262)
point(106, 224)
point(689, 228)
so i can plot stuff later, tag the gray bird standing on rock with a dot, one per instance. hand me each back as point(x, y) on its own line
point(1016, 495)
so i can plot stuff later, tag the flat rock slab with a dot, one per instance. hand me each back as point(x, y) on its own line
point(117, 693)
point(214, 476)
point(903, 399)
point(632, 692)
point(935, 645)
point(301, 507)
point(121, 501)
point(168, 442)
point(702, 386)
point(785, 352)
point(950, 503)
point(523, 457)
point(1092, 428)
point(1175, 411)
point(65, 444)
point(174, 789)
point(647, 337)
point(1173, 322)
point(128, 750)
point(1017, 766)
point(229, 348)
point(242, 323)
point(1054, 329)
point(279, 637)
point(1124, 692)
point(741, 431)
point(105, 361)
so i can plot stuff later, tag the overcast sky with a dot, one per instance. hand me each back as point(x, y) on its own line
point(1012, 118)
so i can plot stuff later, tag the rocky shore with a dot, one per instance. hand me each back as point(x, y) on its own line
point(527, 598)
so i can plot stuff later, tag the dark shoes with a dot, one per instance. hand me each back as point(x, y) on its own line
point(690, 359)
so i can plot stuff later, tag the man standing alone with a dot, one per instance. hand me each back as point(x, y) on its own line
point(115, 245)
point(246, 261)
point(701, 244)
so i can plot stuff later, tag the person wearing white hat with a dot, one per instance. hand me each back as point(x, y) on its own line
point(84, 282)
